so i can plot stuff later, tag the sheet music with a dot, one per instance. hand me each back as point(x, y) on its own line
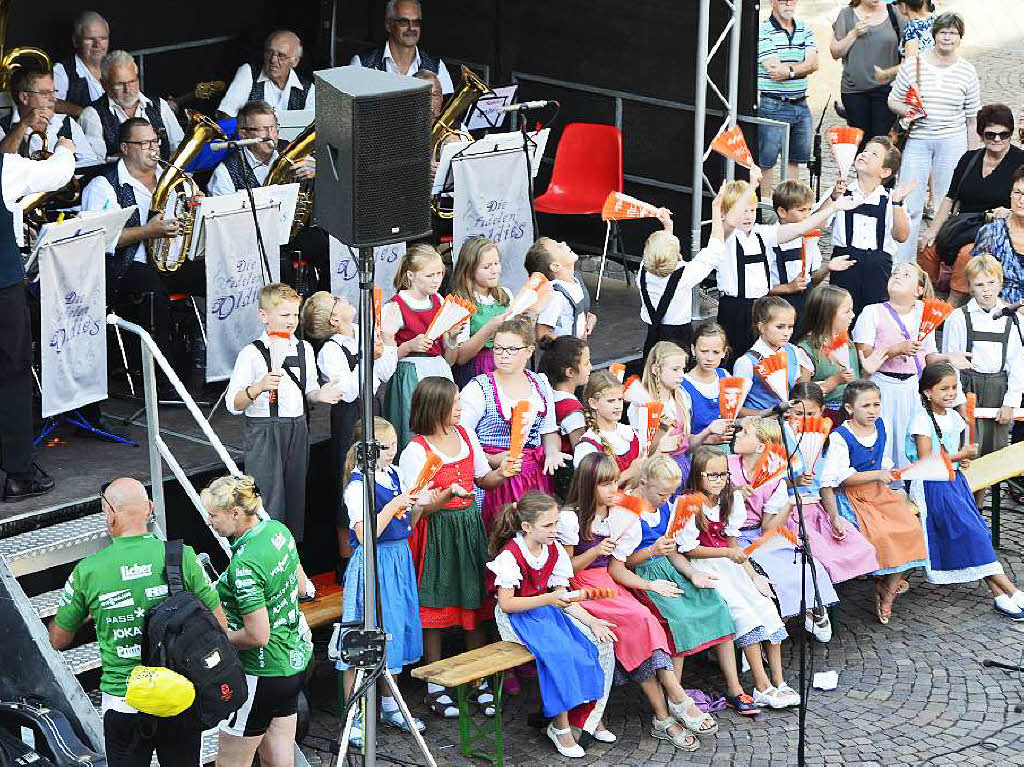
point(283, 196)
point(485, 114)
point(493, 142)
point(110, 221)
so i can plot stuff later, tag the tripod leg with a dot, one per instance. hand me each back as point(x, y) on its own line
point(396, 693)
point(346, 730)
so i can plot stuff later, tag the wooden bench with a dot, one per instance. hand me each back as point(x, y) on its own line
point(465, 669)
point(992, 470)
point(325, 607)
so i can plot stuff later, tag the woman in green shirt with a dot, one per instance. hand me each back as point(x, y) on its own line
point(260, 593)
point(827, 314)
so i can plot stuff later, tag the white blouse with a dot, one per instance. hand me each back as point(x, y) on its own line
point(414, 456)
point(354, 494)
point(488, 300)
point(744, 366)
point(837, 469)
point(474, 404)
point(575, 420)
point(619, 440)
point(688, 538)
point(507, 574)
point(619, 523)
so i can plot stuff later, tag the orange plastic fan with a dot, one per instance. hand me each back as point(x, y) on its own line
point(770, 466)
point(972, 421)
point(812, 433)
point(777, 537)
point(580, 595)
point(634, 392)
point(632, 503)
point(811, 235)
point(774, 373)
point(834, 347)
point(529, 295)
point(618, 206)
point(453, 312)
point(686, 508)
point(430, 468)
point(378, 306)
point(520, 415)
point(913, 98)
point(618, 370)
point(844, 141)
point(733, 146)
point(934, 314)
point(650, 416)
point(934, 467)
point(732, 391)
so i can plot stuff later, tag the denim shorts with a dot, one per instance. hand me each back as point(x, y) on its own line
point(769, 138)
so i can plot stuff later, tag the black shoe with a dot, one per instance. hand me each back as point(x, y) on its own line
point(103, 423)
point(18, 487)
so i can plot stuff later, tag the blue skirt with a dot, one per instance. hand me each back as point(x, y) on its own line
point(568, 668)
point(782, 566)
point(399, 602)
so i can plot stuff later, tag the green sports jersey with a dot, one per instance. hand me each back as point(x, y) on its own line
point(117, 586)
point(264, 572)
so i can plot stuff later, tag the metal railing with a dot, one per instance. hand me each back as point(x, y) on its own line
point(141, 53)
point(158, 449)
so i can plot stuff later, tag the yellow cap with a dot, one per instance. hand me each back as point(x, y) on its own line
point(159, 691)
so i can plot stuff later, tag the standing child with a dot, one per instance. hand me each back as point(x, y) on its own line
point(996, 372)
point(274, 401)
point(774, 319)
point(599, 536)
point(796, 266)
point(855, 482)
point(701, 618)
point(871, 231)
point(709, 541)
point(531, 571)
point(839, 546)
point(566, 363)
point(767, 507)
point(477, 279)
point(917, 35)
point(331, 317)
point(710, 347)
point(602, 400)
point(408, 314)
point(567, 313)
point(959, 542)
point(396, 514)
point(829, 312)
point(449, 544)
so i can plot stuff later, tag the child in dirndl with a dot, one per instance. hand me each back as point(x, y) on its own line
point(829, 312)
point(530, 573)
point(602, 402)
point(855, 483)
point(710, 347)
point(449, 543)
point(566, 363)
point(959, 542)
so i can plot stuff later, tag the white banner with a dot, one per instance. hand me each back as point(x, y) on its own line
point(345, 272)
point(492, 199)
point(73, 300)
point(234, 276)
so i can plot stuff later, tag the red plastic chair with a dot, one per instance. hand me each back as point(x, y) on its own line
point(588, 165)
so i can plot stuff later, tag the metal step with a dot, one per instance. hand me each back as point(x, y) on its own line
point(82, 658)
point(58, 544)
point(46, 604)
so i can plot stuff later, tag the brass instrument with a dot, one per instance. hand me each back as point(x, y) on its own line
point(16, 58)
point(33, 206)
point(176, 188)
point(298, 149)
point(443, 128)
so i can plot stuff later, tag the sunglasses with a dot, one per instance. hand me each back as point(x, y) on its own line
point(992, 135)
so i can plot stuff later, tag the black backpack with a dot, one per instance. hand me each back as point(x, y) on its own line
point(183, 635)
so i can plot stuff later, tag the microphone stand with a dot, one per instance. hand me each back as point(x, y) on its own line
point(247, 170)
point(529, 168)
point(814, 166)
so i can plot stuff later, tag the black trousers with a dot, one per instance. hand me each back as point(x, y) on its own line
point(870, 111)
point(736, 317)
point(15, 381)
point(130, 739)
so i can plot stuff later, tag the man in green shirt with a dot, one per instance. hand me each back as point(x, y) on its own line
point(115, 588)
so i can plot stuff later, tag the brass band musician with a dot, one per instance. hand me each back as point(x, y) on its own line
point(34, 125)
point(276, 83)
point(77, 77)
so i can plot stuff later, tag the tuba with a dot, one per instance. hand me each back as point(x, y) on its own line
point(444, 127)
point(33, 206)
point(16, 58)
point(298, 149)
point(175, 188)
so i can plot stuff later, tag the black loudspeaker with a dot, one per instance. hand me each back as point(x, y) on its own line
point(373, 156)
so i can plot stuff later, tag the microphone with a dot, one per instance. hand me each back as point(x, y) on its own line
point(221, 146)
point(1009, 310)
point(779, 409)
point(526, 106)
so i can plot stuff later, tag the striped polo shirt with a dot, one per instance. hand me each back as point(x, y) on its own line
point(950, 95)
point(774, 40)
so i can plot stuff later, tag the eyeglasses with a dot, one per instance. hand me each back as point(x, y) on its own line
point(1018, 193)
point(103, 496)
point(503, 350)
point(149, 144)
point(124, 84)
point(715, 474)
point(44, 94)
point(408, 23)
point(993, 135)
point(280, 55)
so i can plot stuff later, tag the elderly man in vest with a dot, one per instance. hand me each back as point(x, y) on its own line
point(34, 125)
point(401, 54)
point(277, 82)
point(122, 100)
point(77, 77)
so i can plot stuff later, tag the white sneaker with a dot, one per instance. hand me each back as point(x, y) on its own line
point(770, 698)
point(1018, 598)
point(820, 629)
point(788, 695)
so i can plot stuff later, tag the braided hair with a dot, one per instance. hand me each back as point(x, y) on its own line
point(600, 381)
point(931, 376)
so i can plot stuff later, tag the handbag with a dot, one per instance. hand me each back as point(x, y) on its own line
point(959, 229)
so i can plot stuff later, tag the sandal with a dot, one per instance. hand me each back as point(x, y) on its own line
point(702, 724)
point(684, 741)
point(441, 704)
point(884, 599)
point(903, 588)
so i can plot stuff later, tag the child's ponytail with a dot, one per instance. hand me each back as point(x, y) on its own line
point(527, 509)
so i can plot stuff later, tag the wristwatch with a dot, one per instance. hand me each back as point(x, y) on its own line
point(792, 72)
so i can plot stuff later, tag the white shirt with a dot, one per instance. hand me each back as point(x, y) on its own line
point(837, 469)
point(487, 300)
point(83, 147)
point(508, 575)
point(575, 420)
point(866, 331)
point(474, 404)
point(680, 307)
point(558, 312)
point(744, 366)
point(619, 523)
point(390, 65)
point(220, 182)
point(619, 440)
point(987, 356)
point(757, 276)
point(414, 456)
point(689, 537)
point(334, 365)
point(864, 227)
point(61, 82)
point(22, 176)
point(237, 94)
point(668, 413)
point(353, 495)
point(93, 128)
point(814, 260)
point(250, 367)
point(99, 195)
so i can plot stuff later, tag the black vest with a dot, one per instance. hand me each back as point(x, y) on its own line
point(7, 123)
point(374, 59)
point(111, 126)
point(78, 86)
point(296, 98)
point(125, 198)
point(236, 168)
point(12, 267)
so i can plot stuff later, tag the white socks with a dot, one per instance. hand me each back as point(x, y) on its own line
point(388, 704)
